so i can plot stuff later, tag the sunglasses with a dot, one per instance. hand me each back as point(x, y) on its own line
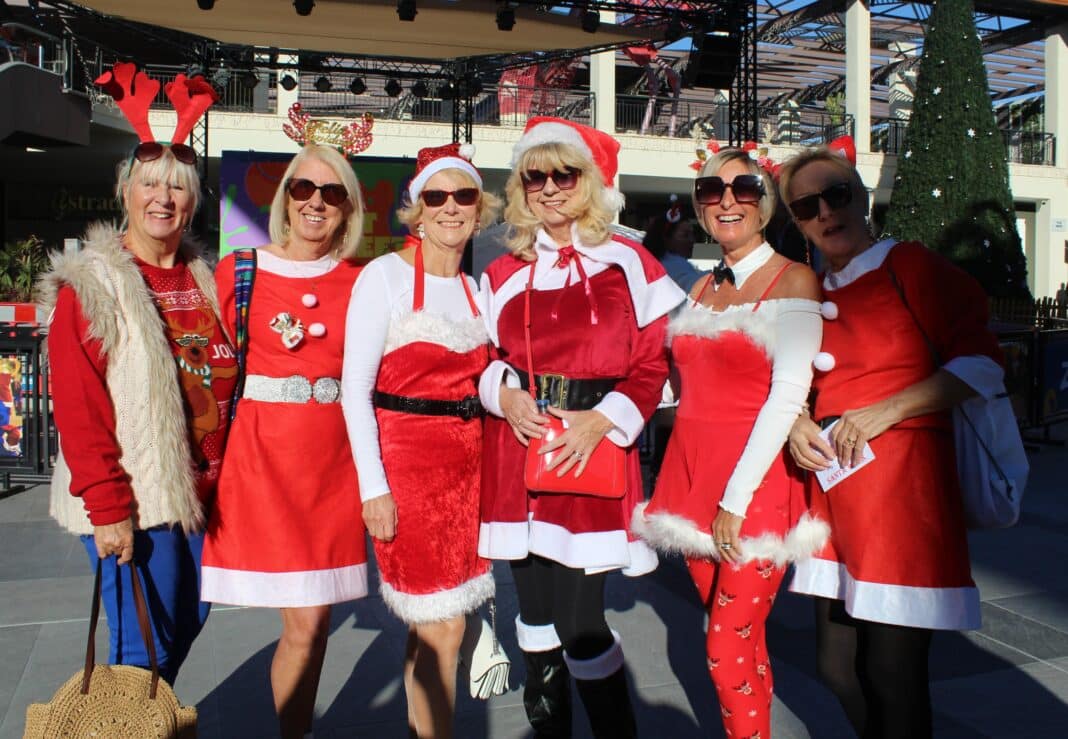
point(333, 193)
point(746, 188)
point(565, 179)
point(437, 198)
point(150, 151)
point(838, 195)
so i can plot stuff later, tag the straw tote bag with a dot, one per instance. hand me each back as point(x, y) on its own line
point(113, 701)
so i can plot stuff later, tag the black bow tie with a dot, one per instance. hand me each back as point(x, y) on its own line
point(722, 272)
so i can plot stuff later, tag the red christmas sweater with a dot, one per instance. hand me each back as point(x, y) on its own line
point(83, 410)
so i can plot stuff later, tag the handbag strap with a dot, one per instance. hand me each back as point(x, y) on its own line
point(526, 331)
point(244, 278)
point(938, 363)
point(142, 621)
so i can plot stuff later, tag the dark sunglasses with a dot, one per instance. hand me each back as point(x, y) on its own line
point(437, 198)
point(746, 188)
point(150, 151)
point(838, 195)
point(534, 179)
point(333, 193)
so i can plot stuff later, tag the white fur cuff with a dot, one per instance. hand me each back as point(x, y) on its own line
point(599, 667)
point(440, 606)
point(541, 638)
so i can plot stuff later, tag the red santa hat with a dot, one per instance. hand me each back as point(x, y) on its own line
point(434, 159)
point(601, 148)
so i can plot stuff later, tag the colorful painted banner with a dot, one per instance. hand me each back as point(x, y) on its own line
point(249, 179)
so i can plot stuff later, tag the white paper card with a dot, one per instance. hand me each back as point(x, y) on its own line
point(834, 474)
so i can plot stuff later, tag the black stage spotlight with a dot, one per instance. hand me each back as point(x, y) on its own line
point(447, 91)
point(288, 83)
point(323, 84)
point(406, 10)
point(205, 4)
point(304, 7)
point(419, 89)
point(505, 17)
point(591, 19)
point(250, 80)
point(357, 86)
point(393, 88)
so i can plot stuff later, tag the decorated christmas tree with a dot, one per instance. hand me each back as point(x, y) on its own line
point(952, 183)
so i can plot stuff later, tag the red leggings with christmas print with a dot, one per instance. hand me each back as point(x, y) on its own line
point(738, 601)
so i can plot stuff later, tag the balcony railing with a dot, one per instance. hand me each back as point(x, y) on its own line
point(1024, 147)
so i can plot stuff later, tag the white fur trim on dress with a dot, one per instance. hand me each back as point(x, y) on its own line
point(603, 665)
point(592, 551)
point(283, 589)
point(672, 533)
point(540, 638)
point(412, 608)
point(419, 181)
point(953, 609)
point(758, 325)
point(460, 336)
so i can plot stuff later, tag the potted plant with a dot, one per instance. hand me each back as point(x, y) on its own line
point(21, 262)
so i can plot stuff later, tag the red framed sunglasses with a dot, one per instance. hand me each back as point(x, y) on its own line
point(437, 198)
point(746, 188)
point(301, 189)
point(150, 151)
point(534, 179)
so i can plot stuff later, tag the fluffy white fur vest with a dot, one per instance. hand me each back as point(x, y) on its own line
point(150, 419)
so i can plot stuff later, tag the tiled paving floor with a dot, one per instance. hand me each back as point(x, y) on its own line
point(1006, 681)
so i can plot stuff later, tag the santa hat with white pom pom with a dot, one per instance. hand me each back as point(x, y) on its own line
point(434, 159)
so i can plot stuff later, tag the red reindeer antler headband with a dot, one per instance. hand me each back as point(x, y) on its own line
point(134, 92)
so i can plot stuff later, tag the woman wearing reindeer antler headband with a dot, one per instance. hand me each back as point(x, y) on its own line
point(287, 531)
point(141, 440)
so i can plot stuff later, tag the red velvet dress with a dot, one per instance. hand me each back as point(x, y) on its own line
point(431, 570)
point(287, 527)
point(631, 295)
point(898, 551)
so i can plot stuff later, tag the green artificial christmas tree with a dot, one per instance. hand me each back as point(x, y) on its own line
point(952, 183)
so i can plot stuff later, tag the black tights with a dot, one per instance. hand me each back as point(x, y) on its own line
point(571, 600)
point(877, 671)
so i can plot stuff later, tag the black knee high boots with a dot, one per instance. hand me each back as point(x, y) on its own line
point(602, 686)
point(547, 694)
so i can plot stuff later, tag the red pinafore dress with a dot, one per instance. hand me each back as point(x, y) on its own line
point(431, 570)
point(725, 372)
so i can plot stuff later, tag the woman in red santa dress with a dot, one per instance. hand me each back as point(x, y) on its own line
point(286, 531)
point(597, 308)
point(415, 348)
point(896, 566)
point(726, 496)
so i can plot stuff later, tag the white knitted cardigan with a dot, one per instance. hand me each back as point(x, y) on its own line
point(151, 426)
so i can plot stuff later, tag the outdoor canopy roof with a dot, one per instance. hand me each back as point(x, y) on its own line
point(442, 30)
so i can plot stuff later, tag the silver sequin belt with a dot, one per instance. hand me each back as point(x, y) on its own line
point(293, 389)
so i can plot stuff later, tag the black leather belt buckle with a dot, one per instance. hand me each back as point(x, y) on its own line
point(470, 407)
point(554, 388)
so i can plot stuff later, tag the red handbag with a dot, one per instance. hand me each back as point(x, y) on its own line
point(605, 474)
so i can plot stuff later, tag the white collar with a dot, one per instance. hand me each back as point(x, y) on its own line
point(275, 264)
point(860, 265)
point(750, 263)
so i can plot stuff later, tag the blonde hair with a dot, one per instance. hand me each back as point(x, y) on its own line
point(165, 169)
point(489, 205)
point(347, 239)
point(819, 154)
point(716, 162)
point(591, 204)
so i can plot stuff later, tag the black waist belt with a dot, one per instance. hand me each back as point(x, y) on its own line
point(828, 421)
point(566, 393)
point(468, 408)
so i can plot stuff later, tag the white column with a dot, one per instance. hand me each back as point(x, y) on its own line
point(1057, 90)
point(858, 71)
point(603, 83)
point(287, 97)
